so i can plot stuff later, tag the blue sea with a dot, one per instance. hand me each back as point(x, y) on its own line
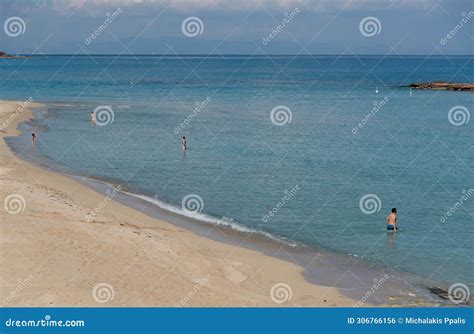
point(309, 151)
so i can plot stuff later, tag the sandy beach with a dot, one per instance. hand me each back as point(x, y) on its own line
point(53, 255)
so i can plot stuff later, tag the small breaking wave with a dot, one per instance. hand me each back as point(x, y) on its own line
point(205, 218)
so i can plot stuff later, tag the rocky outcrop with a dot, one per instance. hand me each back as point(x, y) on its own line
point(442, 85)
point(6, 55)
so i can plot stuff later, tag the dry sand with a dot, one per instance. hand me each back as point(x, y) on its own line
point(51, 255)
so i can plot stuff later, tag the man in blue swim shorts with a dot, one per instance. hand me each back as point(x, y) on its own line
point(392, 220)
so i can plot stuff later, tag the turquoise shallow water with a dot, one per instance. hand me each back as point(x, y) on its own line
point(242, 165)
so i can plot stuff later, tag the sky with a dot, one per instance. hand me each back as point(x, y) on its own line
point(213, 27)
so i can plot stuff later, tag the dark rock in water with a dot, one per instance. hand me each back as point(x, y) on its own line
point(440, 292)
point(442, 85)
point(444, 294)
point(6, 55)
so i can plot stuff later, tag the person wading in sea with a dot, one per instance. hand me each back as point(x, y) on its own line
point(92, 118)
point(183, 143)
point(392, 220)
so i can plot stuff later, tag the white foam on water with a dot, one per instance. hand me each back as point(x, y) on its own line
point(64, 105)
point(209, 219)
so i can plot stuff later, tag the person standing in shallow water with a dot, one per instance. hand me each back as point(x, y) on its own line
point(392, 220)
point(33, 139)
point(183, 143)
point(92, 118)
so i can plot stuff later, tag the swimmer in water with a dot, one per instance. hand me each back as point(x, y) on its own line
point(392, 220)
point(183, 143)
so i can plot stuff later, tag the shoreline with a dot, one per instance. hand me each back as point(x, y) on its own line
point(146, 261)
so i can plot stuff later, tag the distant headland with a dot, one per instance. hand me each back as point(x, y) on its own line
point(6, 55)
point(442, 85)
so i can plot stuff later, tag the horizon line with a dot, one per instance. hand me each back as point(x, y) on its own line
point(234, 55)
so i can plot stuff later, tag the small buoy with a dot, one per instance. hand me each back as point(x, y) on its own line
point(376, 90)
